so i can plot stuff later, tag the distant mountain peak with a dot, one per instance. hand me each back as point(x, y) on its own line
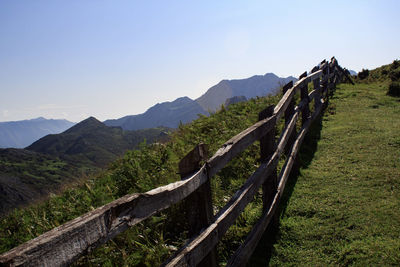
point(167, 114)
point(86, 125)
point(184, 109)
point(270, 74)
point(257, 85)
point(38, 119)
point(90, 119)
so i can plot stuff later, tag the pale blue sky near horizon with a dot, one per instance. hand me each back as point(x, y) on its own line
point(108, 59)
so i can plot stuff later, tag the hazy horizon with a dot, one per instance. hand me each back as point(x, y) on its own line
point(76, 59)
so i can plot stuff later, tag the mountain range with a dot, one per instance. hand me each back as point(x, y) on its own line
point(168, 114)
point(19, 134)
point(258, 85)
point(184, 109)
point(56, 160)
point(92, 142)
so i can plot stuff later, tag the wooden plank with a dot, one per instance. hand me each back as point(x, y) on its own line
point(239, 143)
point(65, 244)
point(192, 161)
point(244, 252)
point(198, 205)
point(304, 97)
point(280, 108)
point(267, 148)
point(288, 95)
point(194, 251)
point(288, 116)
point(346, 75)
point(315, 94)
point(315, 75)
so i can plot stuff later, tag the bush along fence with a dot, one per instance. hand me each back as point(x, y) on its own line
point(65, 244)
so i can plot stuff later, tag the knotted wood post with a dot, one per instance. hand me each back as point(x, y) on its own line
point(325, 83)
point(317, 88)
point(288, 116)
point(198, 205)
point(304, 96)
point(332, 84)
point(267, 148)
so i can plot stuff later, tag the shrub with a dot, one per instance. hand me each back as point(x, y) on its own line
point(394, 89)
point(395, 64)
point(395, 75)
point(363, 74)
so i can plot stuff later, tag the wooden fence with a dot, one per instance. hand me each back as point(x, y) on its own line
point(66, 243)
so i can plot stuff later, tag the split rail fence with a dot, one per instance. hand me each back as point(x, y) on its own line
point(65, 244)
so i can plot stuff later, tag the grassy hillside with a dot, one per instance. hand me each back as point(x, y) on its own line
point(153, 241)
point(26, 176)
point(54, 161)
point(92, 143)
point(343, 209)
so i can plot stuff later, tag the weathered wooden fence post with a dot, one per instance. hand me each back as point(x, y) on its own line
point(199, 204)
point(333, 80)
point(267, 148)
point(325, 82)
point(304, 96)
point(288, 115)
point(317, 88)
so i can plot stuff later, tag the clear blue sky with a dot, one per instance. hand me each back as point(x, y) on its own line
point(78, 58)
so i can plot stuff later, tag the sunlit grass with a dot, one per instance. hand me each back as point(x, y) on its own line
point(343, 209)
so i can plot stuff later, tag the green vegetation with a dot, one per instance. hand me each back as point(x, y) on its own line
point(387, 74)
point(26, 176)
point(92, 143)
point(54, 161)
point(340, 210)
point(152, 241)
point(394, 89)
point(343, 207)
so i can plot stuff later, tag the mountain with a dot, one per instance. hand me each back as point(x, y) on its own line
point(184, 109)
point(258, 85)
point(91, 142)
point(19, 134)
point(168, 114)
point(56, 160)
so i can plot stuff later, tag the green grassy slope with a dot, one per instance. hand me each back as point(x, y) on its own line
point(152, 241)
point(27, 176)
point(56, 160)
point(344, 207)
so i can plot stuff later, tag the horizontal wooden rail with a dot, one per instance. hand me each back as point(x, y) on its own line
point(194, 251)
point(66, 243)
point(244, 252)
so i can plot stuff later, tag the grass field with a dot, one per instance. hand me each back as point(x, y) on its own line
point(344, 206)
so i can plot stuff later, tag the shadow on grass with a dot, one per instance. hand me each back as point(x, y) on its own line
point(264, 250)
